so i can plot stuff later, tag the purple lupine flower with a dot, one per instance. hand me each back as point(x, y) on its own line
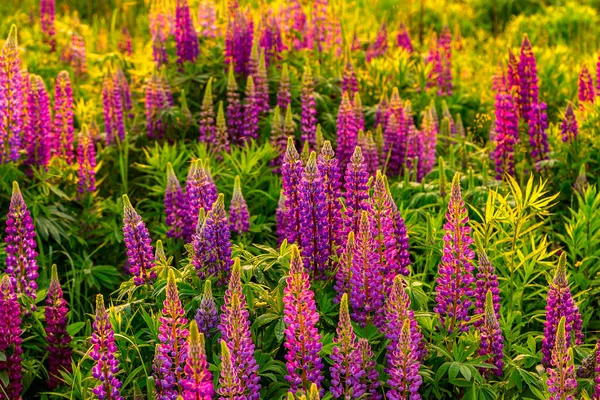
point(314, 237)
point(235, 330)
point(367, 143)
point(86, 162)
point(200, 192)
point(346, 372)
point(569, 128)
point(381, 113)
point(75, 55)
point(251, 111)
point(512, 76)
point(507, 134)
point(261, 81)
point(429, 133)
point(59, 341)
point(487, 280)
point(302, 339)
point(284, 97)
point(123, 87)
point(270, 39)
point(159, 50)
point(38, 131)
point(197, 382)
point(139, 245)
point(414, 152)
point(455, 280)
point(308, 124)
point(207, 19)
point(238, 42)
point(394, 145)
point(445, 45)
point(124, 44)
point(154, 102)
point(113, 110)
point(47, 14)
point(10, 341)
point(278, 138)
point(291, 177)
point(330, 172)
point(366, 279)
point(62, 125)
point(562, 383)
point(215, 260)
point(347, 131)
point(172, 350)
point(280, 215)
point(103, 352)
point(186, 38)
point(230, 384)
point(370, 380)
point(379, 47)
point(435, 77)
point(528, 80)
point(405, 380)
point(320, 22)
point(234, 108)
point(491, 336)
point(221, 144)
point(447, 115)
point(349, 82)
point(174, 204)
point(12, 99)
point(538, 138)
point(560, 304)
point(358, 112)
point(402, 246)
point(344, 272)
point(207, 116)
point(295, 21)
point(238, 210)
point(382, 228)
point(403, 39)
point(586, 87)
point(356, 196)
point(397, 310)
point(207, 316)
point(21, 264)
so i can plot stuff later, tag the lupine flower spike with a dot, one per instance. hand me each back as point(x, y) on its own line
point(560, 304)
point(13, 93)
point(234, 108)
point(38, 130)
point(238, 42)
point(538, 138)
point(455, 280)
point(21, 264)
point(347, 131)
point(528, 81)
point(207, 19)
point(104, 351)
point(197, 383)
point(561, 382)
point(59, 341)
point(221, 134)
point(10, 341)
point(174, 204)
point(230, 384)
point(405, 380)
point(491, 337)
point(139, 245)
point(86, 162)
point(186, 37)
point(302, 339)
point(308, 125)
point(113, 110)
point(355, 191)
point(207, 316)
point(238, 210)
point(291, 175)
point(507, 133)
point(330, 172)
point(62, 126)
point(487, 280)
point(284, 97)
point(47, 14)
point(207, 116)
point(569, 128)
point(200, 192)
point(586, 87)
point(251, 111)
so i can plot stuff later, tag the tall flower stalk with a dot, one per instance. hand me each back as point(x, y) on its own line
point(308, 124)
point(13, 93)
point(186, 37)
point(291, 176)
point(561, 382)
point(329, 168)
point(405, 380)
point(491, 337)
point(207, 116)
point(197, 383)
point(10, 341)
point(347, 131)
point(62, 126)
point(507, 133)
point(234, 108)
point(140, 254)
point(238, 210)
point(207, 316)
point(175, 207)
point(356, 196)
point(38, 130)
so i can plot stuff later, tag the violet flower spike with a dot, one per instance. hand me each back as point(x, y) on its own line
point(344, 272)
point(113, 110)
point(10, 340)
point(561, 382)
point(251, 110)
point(356, 194)
point(586, 87)
point(382, 228)
point(491, 337)
point(186, 38)
point(347, 131)
point(200, 192)
point(140, 253)
point(86, 162)
point(234, 109)
point(405, 380)
point(403, 40)
point(13, 94)
point(538, 138)
point(507, 134)
point(238, 41)
point(38, 131)
point(174, 204)
point(207, 19)
point(47, 15)
point(330, 171)
point(370, 380)
point(238, 210)
point(207, 116)
point(197, 383)
point(207, 316)
point(221, 144)
point(291, 176)
point(487, 280)
point(230, 384)
point(62, 124)
point(308, 124)
point(569, 127)
point(284, 97)
point(528, 81)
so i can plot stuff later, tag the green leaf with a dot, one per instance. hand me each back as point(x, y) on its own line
point(75, 327)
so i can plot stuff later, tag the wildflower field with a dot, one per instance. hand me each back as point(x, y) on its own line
point(299, 199)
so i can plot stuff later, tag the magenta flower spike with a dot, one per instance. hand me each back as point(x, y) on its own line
point(381, 112)
point(13, 95)
point(487, 280)
point(330, 172)
point(262, 84)
point(10, 341)
point(207, 116)
point(207, 316)
point(308, 126)
point(405, 380)
point(320, 23)
point(291, 177)
point(230, 384)
point(356, 196)
point(222, 144)
point(455, 278)
point(394, 145)
point(402, 245)
point(123, 86)
point(124, 44)
point(47, 14)
point(347, 131)
point(507, 134)
point(38, 131)
point(382, 227)
point(140, 253)
point(512, 78)
point(445, 45)
point(113, 110)
point(103, 352)
point(207, 19)
point(379, 47)
point(200, 192)
point(528, 80)
point(172, 349)
point(569, 127)
point(560, 304)
point(59, 341)
point(235, 330)
point(186, 38)
point(349, 82)
point(586, 87)
point(403, 40)
point(62, 126)
point(562, 383)
point(251, 111)
point(284, 97)
point(197, 382)
point(76, 55)
point(538, 138)
point(346, 372)
point(86, 162)
point(175, 207)
point(358, 112)
point(344, 272)
point(491, 337)
point(369, 380)
point(234, 108)
point(435, 78)
point(314, 235)
point(271, 40)
point(159, 51)
point(238, 210)
point(21, 264)
point(302, 339)
point(238, 42)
